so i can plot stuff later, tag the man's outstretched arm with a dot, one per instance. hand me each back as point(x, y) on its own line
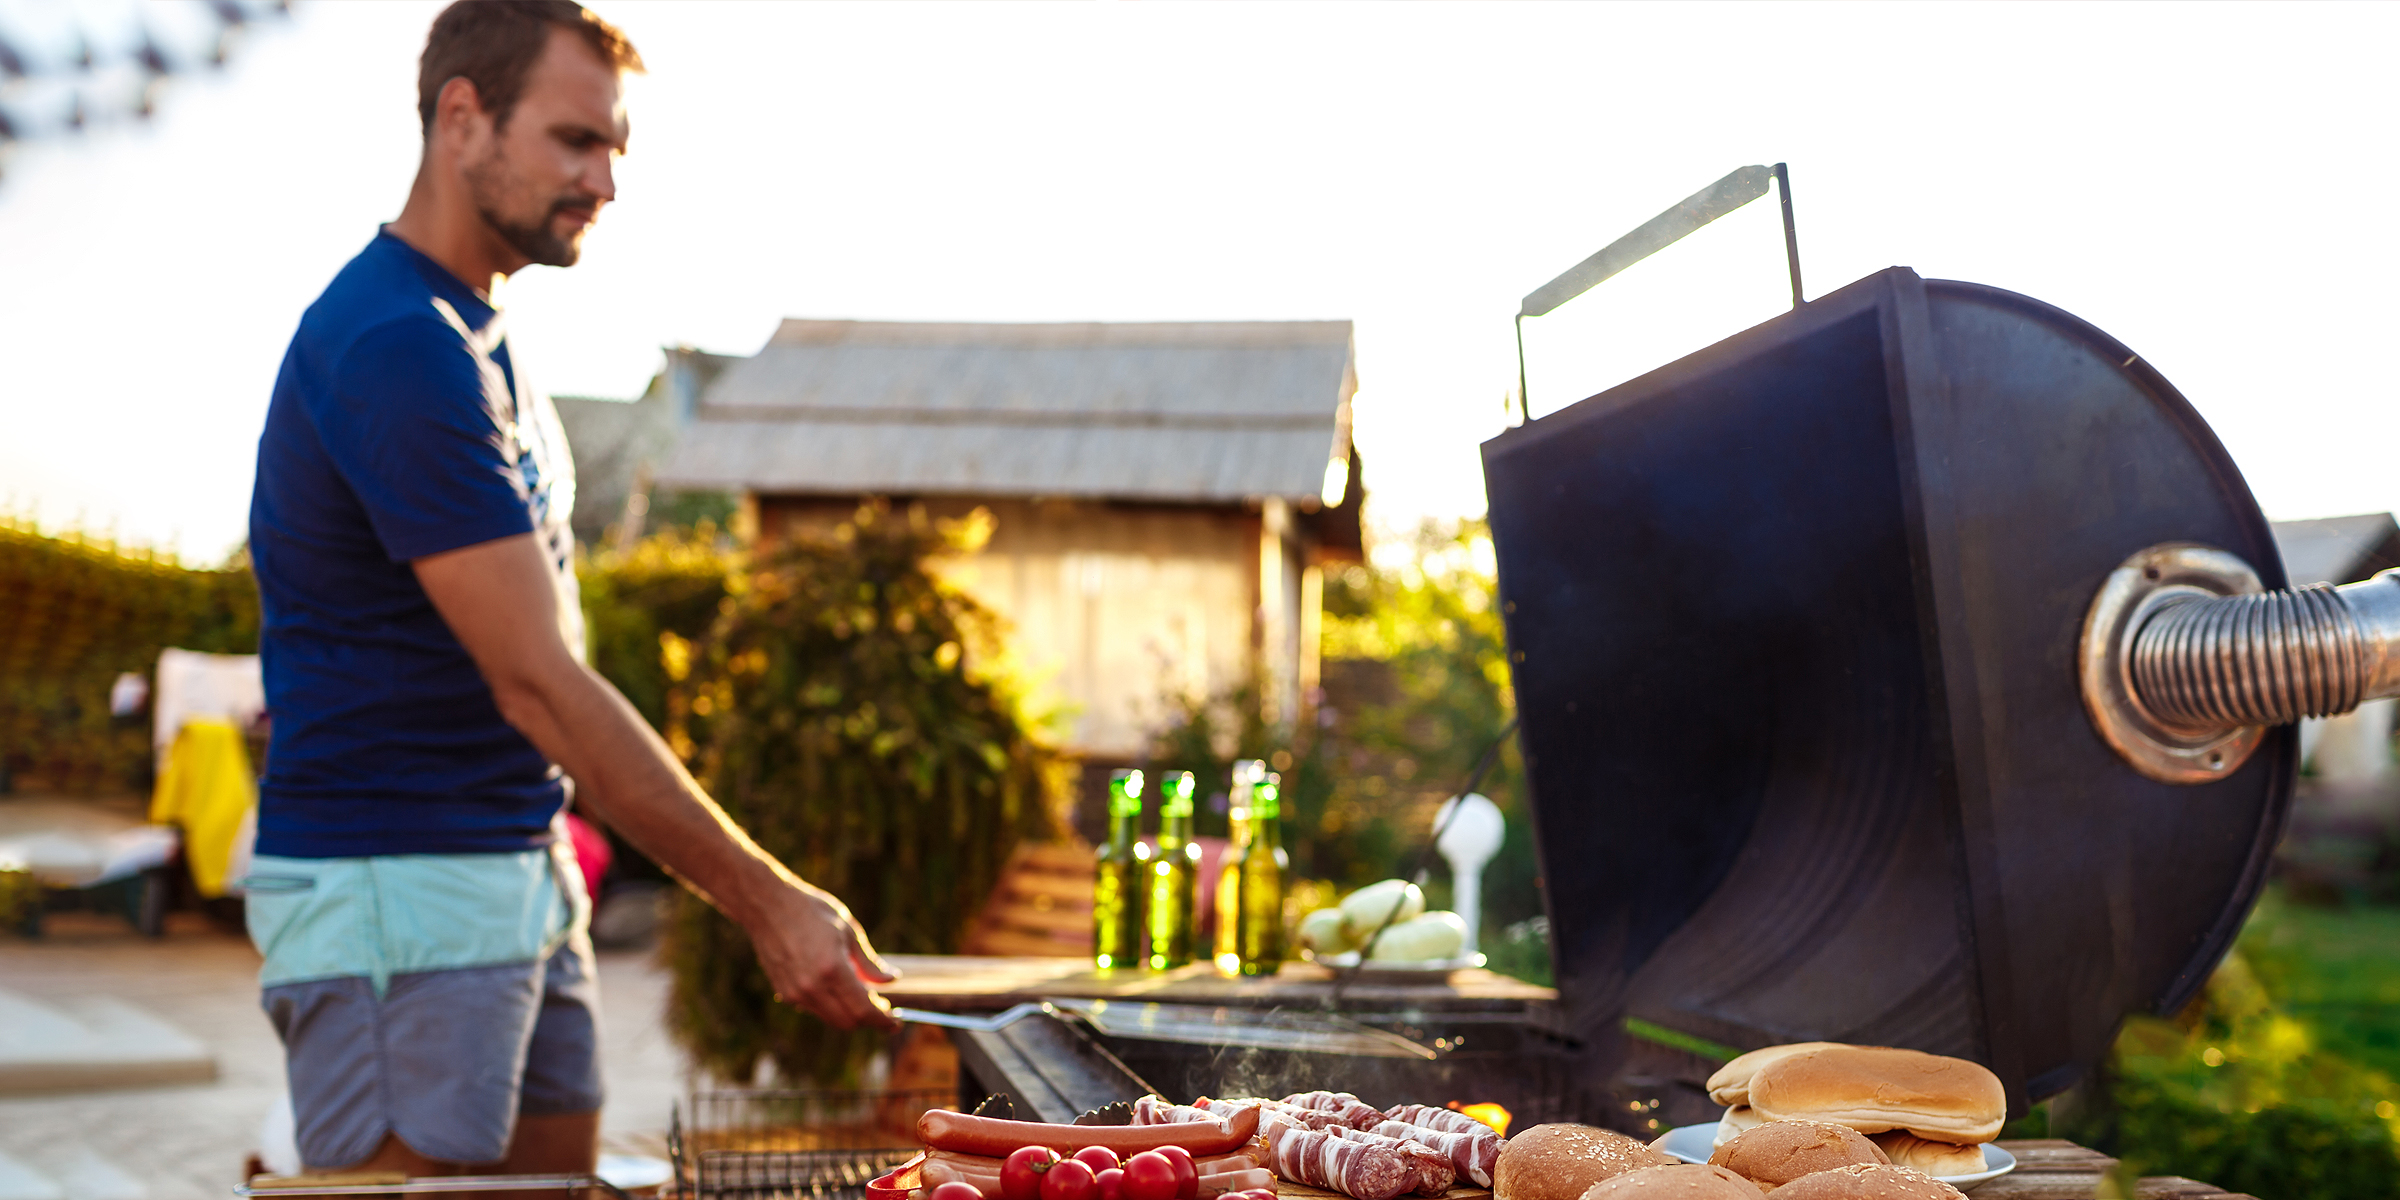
point(499, 600)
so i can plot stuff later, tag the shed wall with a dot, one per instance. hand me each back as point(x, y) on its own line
point(1113, 610)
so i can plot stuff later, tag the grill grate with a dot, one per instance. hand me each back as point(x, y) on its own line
point(791, 1174)
point(795, 1143)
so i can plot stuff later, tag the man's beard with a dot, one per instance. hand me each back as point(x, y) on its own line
point(534, 240)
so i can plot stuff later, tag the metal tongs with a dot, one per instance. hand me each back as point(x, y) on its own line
point(991, 1024)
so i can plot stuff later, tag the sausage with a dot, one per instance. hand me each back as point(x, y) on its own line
point(937, 1173)
point(1472, 1155)
point(1253, 1155)
point(1361, 1169)
point(1236, 1181)
point(1344, 1107)
point(969, 1134)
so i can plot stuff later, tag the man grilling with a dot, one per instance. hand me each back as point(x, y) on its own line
point(422, 921)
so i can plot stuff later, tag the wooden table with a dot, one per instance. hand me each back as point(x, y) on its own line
point(2051, 1169)
point(962, 983)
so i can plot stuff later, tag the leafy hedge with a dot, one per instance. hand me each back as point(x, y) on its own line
point(837, 709)
point(2239, 1091)
point(74, 614)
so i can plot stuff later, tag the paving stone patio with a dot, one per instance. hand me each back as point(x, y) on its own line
point(189, 1141)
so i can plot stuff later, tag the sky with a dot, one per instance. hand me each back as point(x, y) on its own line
point(2209, 184)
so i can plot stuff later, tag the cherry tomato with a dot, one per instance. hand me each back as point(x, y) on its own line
point(1070, 1179)
point(1112, 1184)
point(1152, 1176)
point(956, 1190)
point(1187, 1176)
point(1021, 1175)
point(1098, 1158)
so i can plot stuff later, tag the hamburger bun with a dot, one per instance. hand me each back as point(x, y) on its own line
point(1779, 1152)
point(1730, 1086)
point(1934, 1158)
point(1872, 1089)
point(1683, 1181)
point(1561, 1162)
point(1865, 1182)
point(1736, 1122)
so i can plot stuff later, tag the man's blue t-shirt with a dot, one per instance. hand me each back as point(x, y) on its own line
point(399, 429)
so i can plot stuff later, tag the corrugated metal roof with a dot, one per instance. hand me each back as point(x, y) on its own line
point(2338, 549)
point(1184, 411)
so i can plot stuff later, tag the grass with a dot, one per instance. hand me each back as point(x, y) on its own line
point(2338, 970)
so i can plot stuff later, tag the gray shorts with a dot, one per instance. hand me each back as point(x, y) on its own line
point(446, 1059)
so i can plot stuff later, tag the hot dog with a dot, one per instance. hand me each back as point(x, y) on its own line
point(1237, 1181)
point(937, 1173)
point(969, 1134)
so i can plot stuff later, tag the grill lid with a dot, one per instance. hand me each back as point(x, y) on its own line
point(1793, 622)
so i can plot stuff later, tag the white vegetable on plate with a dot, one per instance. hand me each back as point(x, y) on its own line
point(1428, 938)
point(1367, 908)
point(1321, 932)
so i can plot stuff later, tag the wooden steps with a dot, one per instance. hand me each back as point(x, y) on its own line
point(1042, 906)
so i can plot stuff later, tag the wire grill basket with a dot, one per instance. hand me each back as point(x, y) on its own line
point(790, 1174)
point(795, 1143)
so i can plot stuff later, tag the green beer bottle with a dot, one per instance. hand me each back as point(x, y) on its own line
point(1174, 869)
point(1227, 953)
point(1117, 899)
point(1258, 944)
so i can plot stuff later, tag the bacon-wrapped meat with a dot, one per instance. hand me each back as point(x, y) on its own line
point(1349, 1109)
point(1436, 1118)
point(1272, 1110)
point(1434, 1172)
point(1323, 1158)
point(1471, 1154)
point(1154, 1110)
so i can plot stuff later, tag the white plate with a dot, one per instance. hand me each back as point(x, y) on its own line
point(1692, 1144)
point(1396, 966)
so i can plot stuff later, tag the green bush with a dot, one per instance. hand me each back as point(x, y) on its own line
point(1433, 621)
point(74, 614)
point(639, 601)
point(2239, 1090)
point(836, 709)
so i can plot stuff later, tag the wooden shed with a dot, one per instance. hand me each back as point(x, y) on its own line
point(1165, 495)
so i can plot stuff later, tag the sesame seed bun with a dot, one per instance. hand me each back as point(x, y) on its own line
point(1561, 1162)
point(1737, 1121)
point(1683, 1181)
point(1779, 1152)
point(1868, 1182)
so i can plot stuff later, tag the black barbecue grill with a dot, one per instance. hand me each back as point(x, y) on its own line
point(1911, 669)
point(1907, 670)
point(1797, 625)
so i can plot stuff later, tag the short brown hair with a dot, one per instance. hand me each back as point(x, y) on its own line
point(493, 44)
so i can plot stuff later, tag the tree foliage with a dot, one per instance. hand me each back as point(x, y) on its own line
point(1427, 610)
point(837, 709)
point(74, 614)
point(664, 589)
point(1418, 689)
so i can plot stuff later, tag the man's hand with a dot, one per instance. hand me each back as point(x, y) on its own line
point(499, 599)
point(818, 959)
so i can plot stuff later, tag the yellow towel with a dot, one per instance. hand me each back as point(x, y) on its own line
point(206, 788)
